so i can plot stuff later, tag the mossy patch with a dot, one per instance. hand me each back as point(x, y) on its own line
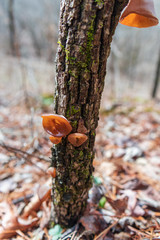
point(99, 2)
point(93, 134)
point(85, 50)
point(72, 110)
point(74, 124)
point(90, 36)
point(81, 154)
point(89, 155)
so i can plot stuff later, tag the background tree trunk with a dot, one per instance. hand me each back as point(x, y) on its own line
point(156, 79)
point(12, 30)
point(85, 35)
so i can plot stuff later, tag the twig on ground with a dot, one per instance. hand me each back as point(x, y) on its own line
point(24, 154)
point(19, 232)
point(102, 234)
point(85, 233)
point(13, 149)
point(138, 231)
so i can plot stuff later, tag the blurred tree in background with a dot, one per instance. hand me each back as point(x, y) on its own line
point(135, 50)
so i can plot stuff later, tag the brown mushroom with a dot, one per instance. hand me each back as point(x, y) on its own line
point(77, 139)
point(140, 14)
point(81, 126)
point(51, 171)
point(55, 140)
point(56, 125)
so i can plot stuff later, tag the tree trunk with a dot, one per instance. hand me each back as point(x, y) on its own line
point(12, 31)
point(86, 30)
point(156, 79)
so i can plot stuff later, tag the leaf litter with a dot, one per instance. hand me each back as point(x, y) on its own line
point(124, 202)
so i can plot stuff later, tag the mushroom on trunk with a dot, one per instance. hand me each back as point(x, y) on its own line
point(55, 140)
point(77, 139)
point(140, 14)
point(56, 125)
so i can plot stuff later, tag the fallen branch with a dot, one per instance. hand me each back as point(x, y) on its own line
point(102, 234)
point(13, 149)
point(25, 155)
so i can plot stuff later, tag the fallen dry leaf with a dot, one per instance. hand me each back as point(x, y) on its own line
point(120, 205)
point(43, 193)
point(11, 222)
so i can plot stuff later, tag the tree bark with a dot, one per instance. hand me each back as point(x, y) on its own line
point(85, 35)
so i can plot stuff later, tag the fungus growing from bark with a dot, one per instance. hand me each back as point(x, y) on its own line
point(140, 14)
point(81, 127)
point(77, 139)
point(56, 125)
point(51, 171)
point(55, 140)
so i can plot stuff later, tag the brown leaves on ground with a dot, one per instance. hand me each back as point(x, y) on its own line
point(12, 221)
point(126, 205)
point(93, 220)
point(25, 188)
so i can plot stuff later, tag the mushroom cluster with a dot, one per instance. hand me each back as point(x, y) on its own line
point(58, 126)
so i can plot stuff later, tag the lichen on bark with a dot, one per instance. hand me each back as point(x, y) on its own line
point(85, 35)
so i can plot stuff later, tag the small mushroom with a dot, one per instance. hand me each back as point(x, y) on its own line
point(56, 125)
point(139, 13)
point(77, 139)
point(55, 140)
point(81, 126)
point(51, 171)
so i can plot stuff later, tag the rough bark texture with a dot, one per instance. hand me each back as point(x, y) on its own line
point(85, 35)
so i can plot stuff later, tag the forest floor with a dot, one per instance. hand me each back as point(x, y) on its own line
point(124, 202)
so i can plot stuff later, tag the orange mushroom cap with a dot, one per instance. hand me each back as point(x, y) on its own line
point(56, 125)
point(55, 140)
point(51, 171)
point(140, 14)
point(77, 139)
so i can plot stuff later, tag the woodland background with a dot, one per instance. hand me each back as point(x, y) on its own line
point(131, 66)
point(126, 188)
